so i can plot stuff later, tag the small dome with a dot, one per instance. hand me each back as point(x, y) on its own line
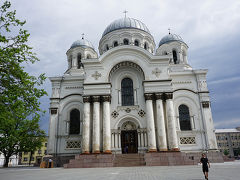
point(124, 23)
point(82, 43)
point(169, 38)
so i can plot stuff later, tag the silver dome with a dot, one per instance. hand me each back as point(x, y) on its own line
point(82, 43)
point(125, 23)
point(170, 38)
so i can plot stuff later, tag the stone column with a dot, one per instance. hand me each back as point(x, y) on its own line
point(96, 124)
point(161, 129)
point(150, 123)
point(172, 133)
point(106, 124)
point(86, 125)
point(119, 139)
point(142, 138)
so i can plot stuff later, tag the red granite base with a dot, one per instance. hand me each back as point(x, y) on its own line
point(168, 158)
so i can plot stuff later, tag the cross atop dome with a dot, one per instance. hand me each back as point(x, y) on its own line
point(125, 12)
point(169, 31)
point(83, 35)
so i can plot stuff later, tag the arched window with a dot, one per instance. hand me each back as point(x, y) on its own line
point(89, 56)
point(174, 56)
point(74, 122)
point(136, 43)
point(107, 48)
point(115, 44)
point(125, 42)
point(70, 62)
point(184, 118)
point(127, 92)
point(145, 45)
point(79, 57)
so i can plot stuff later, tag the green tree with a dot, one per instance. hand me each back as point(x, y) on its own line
point(19, 92)
point(225, 152)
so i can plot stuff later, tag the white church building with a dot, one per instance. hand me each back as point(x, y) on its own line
point(132, 97)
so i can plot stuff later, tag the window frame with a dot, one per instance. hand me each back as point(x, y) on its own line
point(127, 92)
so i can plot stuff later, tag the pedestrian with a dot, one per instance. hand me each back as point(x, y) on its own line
point(49, 163)
point(126, 149)
point(205, 165)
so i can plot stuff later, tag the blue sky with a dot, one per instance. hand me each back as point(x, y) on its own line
point(209, 27)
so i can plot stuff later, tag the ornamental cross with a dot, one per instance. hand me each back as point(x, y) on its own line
point(157, 72)
point(169, 31)
point(96, 75)
point(83, 35)
point(125, 12)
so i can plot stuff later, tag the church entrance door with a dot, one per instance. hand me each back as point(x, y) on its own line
point(129, 141)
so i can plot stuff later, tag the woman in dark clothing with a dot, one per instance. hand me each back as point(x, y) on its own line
point(205, 165)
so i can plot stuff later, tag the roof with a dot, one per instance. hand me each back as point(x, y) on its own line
point(124, 23)
point(170, 38)
point(82, 43)
point(226, 130)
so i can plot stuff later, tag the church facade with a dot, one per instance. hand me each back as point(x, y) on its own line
point(132, 98)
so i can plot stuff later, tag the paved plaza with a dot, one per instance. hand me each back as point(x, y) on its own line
point(218, 171)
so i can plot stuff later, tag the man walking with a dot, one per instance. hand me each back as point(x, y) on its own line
point(205, 165)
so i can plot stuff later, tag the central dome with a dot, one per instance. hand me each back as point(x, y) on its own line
point(124, 23)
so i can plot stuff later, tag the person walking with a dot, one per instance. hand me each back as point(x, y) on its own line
point(205, 165)
point(50, 163)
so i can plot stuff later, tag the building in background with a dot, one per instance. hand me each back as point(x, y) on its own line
point(37, 156)
point(13, 161)
point(229, 139)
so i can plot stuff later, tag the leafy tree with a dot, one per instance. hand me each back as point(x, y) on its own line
point(19, 92)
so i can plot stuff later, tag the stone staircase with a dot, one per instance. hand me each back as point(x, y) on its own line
point(91, 161)
point(128, 160)
point(147, 159)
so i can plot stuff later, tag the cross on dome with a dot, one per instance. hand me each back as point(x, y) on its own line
point(169, 31)
point(83, 35)
point(125, 12)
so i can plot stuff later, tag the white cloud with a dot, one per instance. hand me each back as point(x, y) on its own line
point(204, 25)
point(227, 123)
point(226, 80)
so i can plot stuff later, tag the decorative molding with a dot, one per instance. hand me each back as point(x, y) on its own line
point(168, 96)
point(123, 108)
point(73, 87)
point(86, 99)
point(148, 96)
point(96, 75)
point(129, 126)
point(106, 98)
point(128, 110)
point(205, 104)
point(187, 140)
point(159, 96)
point(126, 64)
point(157, 72)
point(73, 144)
point(182, 82)
point(96, 98)
point(115, 114)
point(141, 113)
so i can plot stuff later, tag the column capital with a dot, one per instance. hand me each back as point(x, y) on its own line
point(86, 99)
point(168, 95)
point(96, 98)
point(148, 96)
point(159, 96)
point(205, 104)
point(106, 98)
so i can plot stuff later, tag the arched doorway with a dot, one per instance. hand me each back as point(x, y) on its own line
point(129, 138)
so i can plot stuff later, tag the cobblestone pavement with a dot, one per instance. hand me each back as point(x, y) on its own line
point(220, 171)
